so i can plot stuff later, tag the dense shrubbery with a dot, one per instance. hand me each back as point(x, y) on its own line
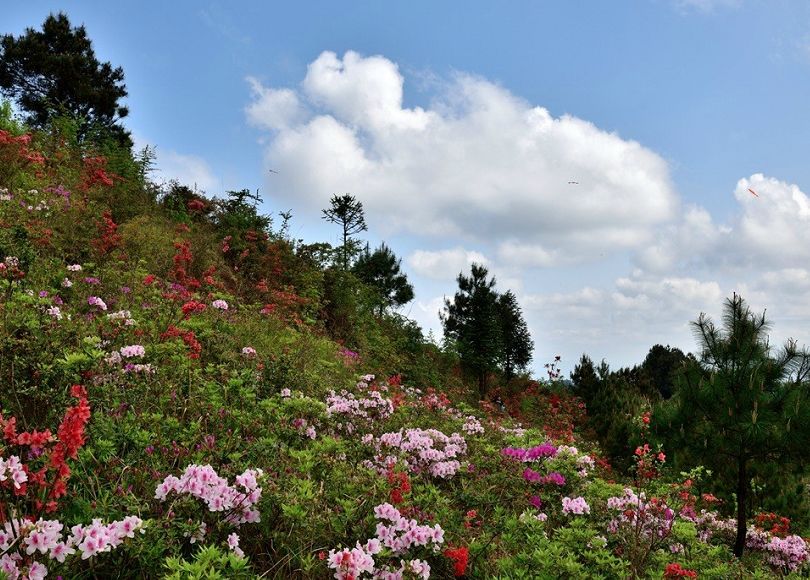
point(184, 391)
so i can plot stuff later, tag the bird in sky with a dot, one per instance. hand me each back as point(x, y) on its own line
point(573, 183)
point(271, 171)
point(754, 192)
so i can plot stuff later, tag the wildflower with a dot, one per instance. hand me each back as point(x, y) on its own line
point(248, 351)
point(219, 304)
point(96, 301)
point(75, 268)
point(459, 557)
point(133, 350)
point(576, 506)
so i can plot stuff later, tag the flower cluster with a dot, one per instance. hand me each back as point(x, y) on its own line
point(219, 305)
point(396, 533)
point(421, 450)
point(651, 518)
point(21, 541)
point(472, 426)
point(202, 482)
point(248, 351)
point(541, 451)
point(97, 302)
point(133, 350)
point(577, 506)
point(674, 570)
point(349, 409)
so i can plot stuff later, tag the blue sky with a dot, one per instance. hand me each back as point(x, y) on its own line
point(459, 124)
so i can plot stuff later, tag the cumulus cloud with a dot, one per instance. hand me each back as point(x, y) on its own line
point(769, 228)
point(443, 264)
point(478, 164)
point(189, 170)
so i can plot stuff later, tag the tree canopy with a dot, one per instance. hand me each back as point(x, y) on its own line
point(380, 269)
point(55, 72)
point(346, 211)
point(488, 329)
point(740, 406)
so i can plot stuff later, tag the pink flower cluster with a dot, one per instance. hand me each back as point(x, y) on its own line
point(22, 540)
point(219, 304)
point(577, 506)
point(97, 302)
point(652, 518)
point(248, 351)
point(786, 554)
point(396, 533)
point(13, 468)
point(472, 426)
point(541, 451)
point(133, 350)
point(553, 478)
point(421, 450)
point(349, 409)
point(202, 482)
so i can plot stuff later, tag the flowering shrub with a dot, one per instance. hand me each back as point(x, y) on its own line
point(420, 451)
point(395, 536)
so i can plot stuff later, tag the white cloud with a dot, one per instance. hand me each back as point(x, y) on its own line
point(273, 108)
point(478, 164)
point(444, 264)
point(770, 228)
point(189, 170)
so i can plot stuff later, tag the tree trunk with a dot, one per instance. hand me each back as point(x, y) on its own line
point(742, 500)
point(482, 385)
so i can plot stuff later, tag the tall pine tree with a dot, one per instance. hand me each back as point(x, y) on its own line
point(516, 341)
point(56, 72)
point(740, 407)
point(471, 321)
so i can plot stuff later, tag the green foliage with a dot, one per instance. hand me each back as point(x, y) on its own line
point(471, 320)
point(516, 342)
point(209, 563)
point(55, 72)
point(739, 408)
point(381, 270)
point(346, 211)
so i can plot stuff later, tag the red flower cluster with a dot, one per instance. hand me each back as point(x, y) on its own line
point(94, 172)
point(770, 522)
point(400, 484)
point(183, 259)
point(192, 307)
point(674, 570)
point(108, 236)
point(17, 149)
point(460, 557)
point(189, 338)
point(50, 479)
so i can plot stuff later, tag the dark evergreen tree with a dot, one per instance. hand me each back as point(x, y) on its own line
point(55, 72)
point(516, 341)
point(740, 408)
point(471, 321)
point(381, 270)
point(347, 212)
point(660, 365)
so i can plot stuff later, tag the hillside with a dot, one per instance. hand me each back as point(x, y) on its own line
point(189, 393)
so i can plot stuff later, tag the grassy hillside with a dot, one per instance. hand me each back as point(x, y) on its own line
point(188, 393)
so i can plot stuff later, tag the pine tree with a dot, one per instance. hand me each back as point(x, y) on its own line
point(56, 72)
point(471, 320)
point(381, 270)
point(347, 212)
point(739, 407)
point(516, 341)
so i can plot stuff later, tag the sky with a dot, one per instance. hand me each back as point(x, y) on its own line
point(461, 126)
